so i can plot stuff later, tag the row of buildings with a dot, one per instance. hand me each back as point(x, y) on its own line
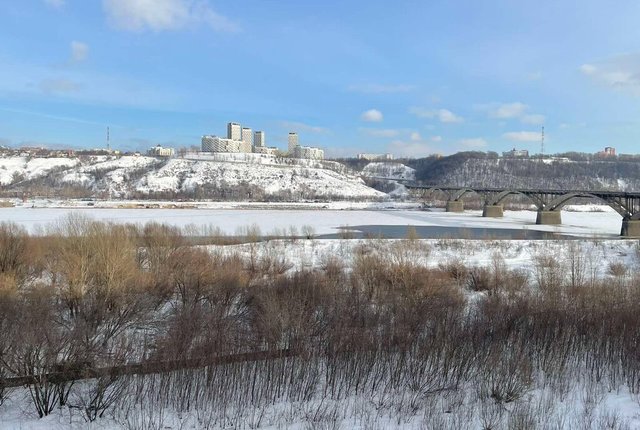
point(375, 157)
point(239, 139)
point(242, 139)
point(609, 151)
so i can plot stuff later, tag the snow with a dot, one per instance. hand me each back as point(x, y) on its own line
point(258, 173)
point(515, 254)
point(325, 221)
point(361, 412)
point(187, 175)
point(33, 168)
point(622, 184)
point(264, 159)
point(388, 170)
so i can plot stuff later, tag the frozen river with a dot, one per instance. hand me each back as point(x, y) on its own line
point(328, 222)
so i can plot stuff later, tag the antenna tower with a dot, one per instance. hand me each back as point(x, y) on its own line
point(108, 143)
point(542, 143)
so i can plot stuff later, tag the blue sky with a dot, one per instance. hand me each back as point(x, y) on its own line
point(408, 77)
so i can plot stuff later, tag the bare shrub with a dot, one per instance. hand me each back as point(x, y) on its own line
point(617, 269)
point(456, 269)
point(509, 376)
point(308, 232)
point(479, 279)
point(101, 394)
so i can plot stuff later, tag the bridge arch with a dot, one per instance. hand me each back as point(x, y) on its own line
point(559, 202)
point(502, 196)
point(462, 192)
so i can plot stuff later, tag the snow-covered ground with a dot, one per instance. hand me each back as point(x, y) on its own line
point(580, 404)
point(187, 175)
point(16, 169)
point(326, 221)
point(254, 174)
point(366, 412)
point(598, 255)
point(388, 170)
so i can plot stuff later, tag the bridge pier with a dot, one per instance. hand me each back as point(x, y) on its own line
point(493, 211)
point(630, 228)
point(455, 206)
point(549, 217)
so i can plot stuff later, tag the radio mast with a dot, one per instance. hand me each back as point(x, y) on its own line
point(108, 143)
point(542, 143)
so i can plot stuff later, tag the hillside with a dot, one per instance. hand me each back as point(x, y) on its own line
point(479, 169)
point(388, 170)
point(250, 176)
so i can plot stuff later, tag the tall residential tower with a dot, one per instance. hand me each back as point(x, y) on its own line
point(259, 140)
point(293, 142)
point(247, 140)
point(234, 131)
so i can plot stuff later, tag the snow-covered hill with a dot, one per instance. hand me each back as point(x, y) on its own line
point(388, 170)
point(252, 176)
point(16, 169)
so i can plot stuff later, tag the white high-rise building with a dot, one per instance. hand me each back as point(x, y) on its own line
point(308, 152)
point(234, 131)
point(247, 140)
point(293, 142)
point(259, 140)
point(219, 144)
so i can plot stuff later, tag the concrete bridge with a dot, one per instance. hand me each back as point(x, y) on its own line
point(548, 202)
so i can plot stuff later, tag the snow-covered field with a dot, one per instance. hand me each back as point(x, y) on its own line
point(516, 254)
point(325, 221)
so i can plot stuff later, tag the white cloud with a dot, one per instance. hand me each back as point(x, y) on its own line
point(619, 73)
point(381, 89)
point(79, 51)
point(436, 138)
point(447, 116)
point(473, 143)
point(508, 110)
point(415, 137)
point(443, 115)
point(302, 127)
point(533, 119)
point(379, 132)
point(56, 3)
point(159, 15)
point(372, 115)
point(523, 136)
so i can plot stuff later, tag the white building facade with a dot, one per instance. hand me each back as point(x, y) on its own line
point(160, 151)
point(247, 139)
point(375, 157)
point(308, 152)
point(220, 144)
point(259, 139)
point(293, 142)
point(234, 131)
point(243, 139)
